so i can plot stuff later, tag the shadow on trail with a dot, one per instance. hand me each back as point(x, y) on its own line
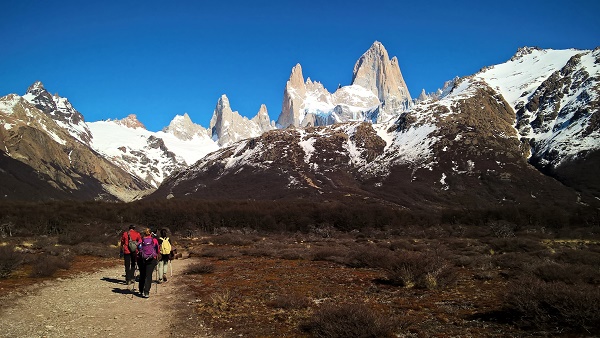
point(113, 280)
point(128, 292)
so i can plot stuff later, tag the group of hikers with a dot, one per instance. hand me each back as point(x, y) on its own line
point(145, 251)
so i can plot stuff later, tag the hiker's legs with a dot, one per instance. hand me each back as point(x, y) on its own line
point(163, 265)
point(149, 269)
point(129, 266)
point(160, 268)
point(143, 272)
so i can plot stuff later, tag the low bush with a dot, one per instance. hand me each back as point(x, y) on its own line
point(347, 320)
point(545, 305)
point(328, 253)
point(10, 260)
point(419, 269)
point(200, 269)
point(233, 239)
point(516, 244)
point(367, 256)
point(567, 273)
point(95, 249)
point(46, 265)
point(290, 301)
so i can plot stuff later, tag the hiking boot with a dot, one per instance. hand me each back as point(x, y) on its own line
point(165, 277)
point(146, 295)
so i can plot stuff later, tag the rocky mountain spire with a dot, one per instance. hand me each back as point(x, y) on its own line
point(423, 96)
point(262, 119)
point(375, 71)
point(295, 90)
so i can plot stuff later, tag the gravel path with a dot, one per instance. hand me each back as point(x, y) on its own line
point(99, 304)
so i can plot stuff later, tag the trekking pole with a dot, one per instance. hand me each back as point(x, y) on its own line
point(156, 269)
point(171, 267)
point(133, 284)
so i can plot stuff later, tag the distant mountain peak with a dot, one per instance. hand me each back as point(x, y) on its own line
point(183, 128)
point(130, 121)
point(522, 51)
point(36, 88)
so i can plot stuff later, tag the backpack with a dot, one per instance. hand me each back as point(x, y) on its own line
point(165, 246)
point(148, 251)
point(132, 245)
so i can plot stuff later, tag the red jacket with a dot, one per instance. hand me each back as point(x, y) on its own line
point(135, 236)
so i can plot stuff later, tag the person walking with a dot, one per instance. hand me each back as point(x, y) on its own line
point(147, 260)
point(165, 250)
point(129, 243)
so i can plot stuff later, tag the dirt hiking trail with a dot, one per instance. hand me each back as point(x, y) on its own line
point(99, 304)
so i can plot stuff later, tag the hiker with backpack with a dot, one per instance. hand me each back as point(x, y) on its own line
point(147, 260)
point(129, 243)
point(165, 251)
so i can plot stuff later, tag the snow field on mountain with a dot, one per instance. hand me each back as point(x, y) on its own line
point(526, 73)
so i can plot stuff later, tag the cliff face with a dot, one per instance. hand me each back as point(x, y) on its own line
point(376, 72)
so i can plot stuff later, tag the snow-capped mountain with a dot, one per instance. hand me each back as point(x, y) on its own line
point(473, 141)
point(151, 156)
point(41, 159)
point(463, 145)
point(556, 97)
point(60, 109)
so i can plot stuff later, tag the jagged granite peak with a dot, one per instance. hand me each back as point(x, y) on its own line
point(183, 128)
point(130, 121)
point(375, 71)
point(293, 94)
point(309, 103)
point(263, 120)
point(228, 126)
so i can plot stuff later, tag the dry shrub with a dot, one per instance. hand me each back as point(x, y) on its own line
point(95, 249)
point(233, 239)
point(221, 300)
point(9, 261)
point(367, 256)
point(419, 269)
point(215, 252)
point(549, 305)
point(574, 256)
point(290, 302)
point(516, 244)
point(566, 273)
point(328, 253)
point(46, 265)
point(200, 268)
point(347, 320)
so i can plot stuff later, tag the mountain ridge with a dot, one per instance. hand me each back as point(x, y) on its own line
point(542, 94)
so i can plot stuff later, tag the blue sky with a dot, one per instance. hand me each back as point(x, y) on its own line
point(157, 59)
